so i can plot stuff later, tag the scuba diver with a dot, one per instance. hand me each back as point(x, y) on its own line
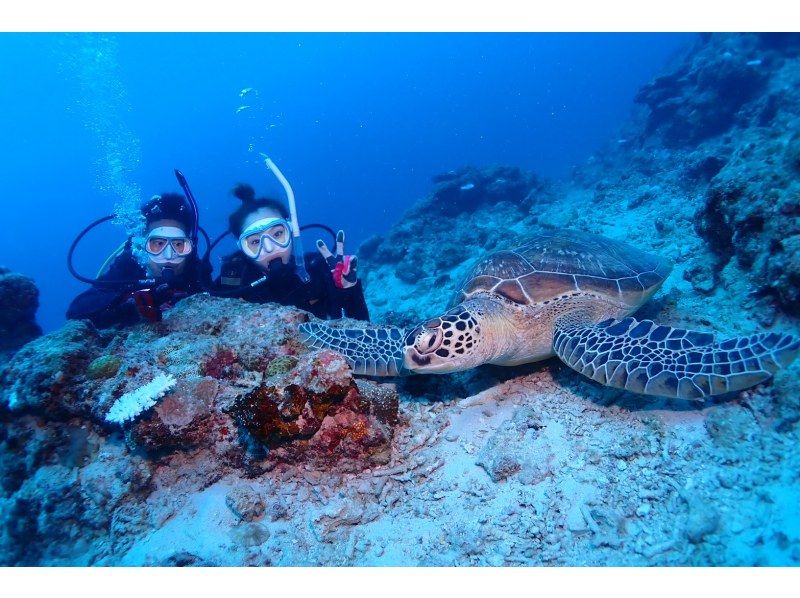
point(270, 266)
point(128, 292)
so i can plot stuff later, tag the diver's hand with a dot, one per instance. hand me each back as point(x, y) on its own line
point(343, 267)
point(146, 306)
point(163, 295)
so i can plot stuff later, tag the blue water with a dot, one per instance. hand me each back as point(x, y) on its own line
point(358, 123)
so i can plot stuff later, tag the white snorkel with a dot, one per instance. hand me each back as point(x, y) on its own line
point(300, 264)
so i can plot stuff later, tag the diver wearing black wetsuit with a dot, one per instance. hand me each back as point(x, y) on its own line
point(173, 267)
point(111, 306)
point(320, 296)
point(265, 241)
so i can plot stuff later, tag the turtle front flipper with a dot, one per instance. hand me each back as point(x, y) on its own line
point(369, 351)
point(646, 358)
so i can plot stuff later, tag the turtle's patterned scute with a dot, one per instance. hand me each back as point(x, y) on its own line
point(555, 263)
point(643, 357)
point(370, 351)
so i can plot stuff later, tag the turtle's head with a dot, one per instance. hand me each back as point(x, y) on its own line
point(450, 343)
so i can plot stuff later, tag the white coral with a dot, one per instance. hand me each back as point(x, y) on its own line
point(131, 404)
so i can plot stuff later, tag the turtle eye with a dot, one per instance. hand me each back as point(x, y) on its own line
point(428, 340)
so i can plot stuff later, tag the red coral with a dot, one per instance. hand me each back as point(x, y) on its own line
point(275, 415)
point(223, 364)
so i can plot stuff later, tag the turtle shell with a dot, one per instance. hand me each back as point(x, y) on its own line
point(557, 263)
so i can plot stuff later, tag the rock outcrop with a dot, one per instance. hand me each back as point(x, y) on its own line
point(19, 299)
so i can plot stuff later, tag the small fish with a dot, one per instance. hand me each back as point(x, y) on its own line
point(468, 186)
point(248, 90)
point(241, 109)
point(754, 63)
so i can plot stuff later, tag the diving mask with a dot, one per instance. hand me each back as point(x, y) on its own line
point(270, 236)
point(167, 244)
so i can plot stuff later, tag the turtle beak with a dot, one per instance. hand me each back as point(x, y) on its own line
point(412, 358)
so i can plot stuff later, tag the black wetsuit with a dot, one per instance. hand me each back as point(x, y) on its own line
point(112, 305)
point(320, 295)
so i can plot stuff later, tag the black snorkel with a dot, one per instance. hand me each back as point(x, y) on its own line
point(192, 202)
point(168, 273)
point(206, 259)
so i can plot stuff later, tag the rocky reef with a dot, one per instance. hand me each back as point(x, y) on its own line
point(19, 299)
point(216, 438)
point(714, 149)
point(280, 457)
point(104, 430)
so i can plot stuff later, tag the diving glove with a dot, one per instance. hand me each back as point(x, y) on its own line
point(343, 267)
point(150, 303)
point(145, 303)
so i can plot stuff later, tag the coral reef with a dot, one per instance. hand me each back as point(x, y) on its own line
point(19, 298)
point(703, 95)
point(715, 148)
point(167, 407)
point(47, 375)
point(264, 453)
point(320, 401)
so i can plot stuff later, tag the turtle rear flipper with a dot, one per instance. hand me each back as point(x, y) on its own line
point(643, 357)
point(369, 351)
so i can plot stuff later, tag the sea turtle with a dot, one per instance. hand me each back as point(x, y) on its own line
point(569, 294)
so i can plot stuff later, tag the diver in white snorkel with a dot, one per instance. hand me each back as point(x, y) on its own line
point(269, 268)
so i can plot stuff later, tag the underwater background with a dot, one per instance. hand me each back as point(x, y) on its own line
point(359, 123)
point(244, 447)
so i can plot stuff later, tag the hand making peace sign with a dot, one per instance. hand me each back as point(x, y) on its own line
point(343, 267)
